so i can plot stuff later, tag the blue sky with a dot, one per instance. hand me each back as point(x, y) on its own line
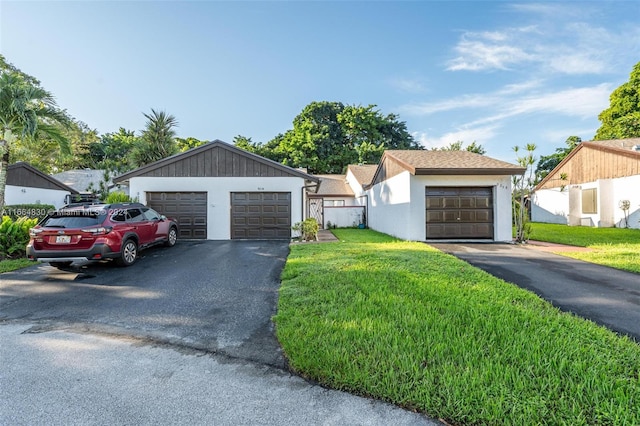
point(499, 73)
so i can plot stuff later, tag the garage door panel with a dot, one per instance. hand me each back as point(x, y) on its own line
point(189, 209)
point(261, 215)
point(459, 212)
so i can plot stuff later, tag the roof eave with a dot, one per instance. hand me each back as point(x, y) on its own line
point(467, 171)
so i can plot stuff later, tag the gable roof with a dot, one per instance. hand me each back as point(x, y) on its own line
point(622, 149)
point(363, 172)
point(334, 186)
point(422, 162)
point(24, 174)
point(215, 159)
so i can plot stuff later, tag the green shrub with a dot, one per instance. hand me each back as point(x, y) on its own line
point(307, 230)
point(119, 197)
point(14, 236)
point(38, 211)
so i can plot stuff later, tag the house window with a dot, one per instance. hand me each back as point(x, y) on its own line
point(590, 201)
point(334, 203)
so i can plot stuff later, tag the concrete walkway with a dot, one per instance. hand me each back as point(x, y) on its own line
point(607, 296)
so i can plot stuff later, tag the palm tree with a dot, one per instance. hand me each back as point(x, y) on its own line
point(26, 111)
point(158, 138)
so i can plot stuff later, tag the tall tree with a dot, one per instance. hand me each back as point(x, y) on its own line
point(622, 118)
point(185, 144)
point(458, 146)
point(157, 140)
point(26, 111)
point(328, 136)
point(549, 162)
point(113, 151)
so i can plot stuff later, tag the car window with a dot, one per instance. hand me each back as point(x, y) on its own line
point(75, 220)
point(150, 214)
point(119, 216)
point(135, 215)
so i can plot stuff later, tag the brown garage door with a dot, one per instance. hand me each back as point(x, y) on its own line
point(459, 212)
point(261, 215)
point(188, 208)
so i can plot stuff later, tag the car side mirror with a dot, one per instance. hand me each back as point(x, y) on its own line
point(163, 218)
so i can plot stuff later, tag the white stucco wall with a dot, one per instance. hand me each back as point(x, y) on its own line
point(28, 195)
point(610, 192)
point(397, 206)
point(627, 188)
point(343, 217)
point(550, 206)
point(218, 191)
point(389, 208)
point(355, 186)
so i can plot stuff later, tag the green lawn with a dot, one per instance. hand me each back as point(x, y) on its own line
point(615, 247)
point(13, 264)
point(403, 322)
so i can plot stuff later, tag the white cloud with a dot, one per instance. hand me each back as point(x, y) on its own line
point(485, 51)
point(427, 108)
point(479, 134)
point(408, 85)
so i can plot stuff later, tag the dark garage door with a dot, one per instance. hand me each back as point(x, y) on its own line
point(459, 212)
point(188, 208)
point(261, 215)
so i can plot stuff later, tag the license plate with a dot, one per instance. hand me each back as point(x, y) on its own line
point(63, 239)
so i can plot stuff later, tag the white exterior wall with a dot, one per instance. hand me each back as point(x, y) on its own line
point(343, 217)
point(218, 191)
point(29, 195)
point(627, 188)
point(389, 206)
point(355, 187)
point(550, 206)
point(397, 206)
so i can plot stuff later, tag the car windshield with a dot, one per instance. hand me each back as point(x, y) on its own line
point(73, 219)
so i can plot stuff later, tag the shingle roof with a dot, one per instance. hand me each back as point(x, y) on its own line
point(447, 162)
point(363, 172)
point(24, 174)
point(334, 185)
point(82, 179)
point(623, 144)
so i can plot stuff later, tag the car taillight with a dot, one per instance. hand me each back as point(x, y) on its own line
point(102, 230)
point(33, 232)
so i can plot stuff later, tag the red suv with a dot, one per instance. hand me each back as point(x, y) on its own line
point(99, 231)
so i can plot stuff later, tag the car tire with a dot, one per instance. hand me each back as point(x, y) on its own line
point(172, 237)
point(128, 253)
point(60, 265)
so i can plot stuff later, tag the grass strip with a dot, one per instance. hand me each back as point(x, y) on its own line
point(403, 322)
point(9, 265)
point(614, 247)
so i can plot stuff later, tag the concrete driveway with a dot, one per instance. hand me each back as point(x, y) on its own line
point(607, 296)
point(182, 336)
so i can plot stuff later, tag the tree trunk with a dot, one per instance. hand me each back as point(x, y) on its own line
point(4, 164)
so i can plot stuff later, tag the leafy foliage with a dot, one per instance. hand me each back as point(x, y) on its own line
point(185, 144)
point(522, 189)
point(119, 197)
point(14, 236)
point(549, 162)
point(457, 146)
point(622, 119)
point(307, 229)
point(328, 136)
point(27, 111)
point(157, 140)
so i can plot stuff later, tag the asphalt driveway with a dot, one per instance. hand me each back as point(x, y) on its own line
point(607, 296)
point(182, 336)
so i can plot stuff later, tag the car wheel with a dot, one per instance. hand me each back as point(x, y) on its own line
point(128, 253)
point(172, 237)
point(60, 265)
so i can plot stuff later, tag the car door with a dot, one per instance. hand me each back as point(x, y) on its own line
point(144, 228)
point(158, 227)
